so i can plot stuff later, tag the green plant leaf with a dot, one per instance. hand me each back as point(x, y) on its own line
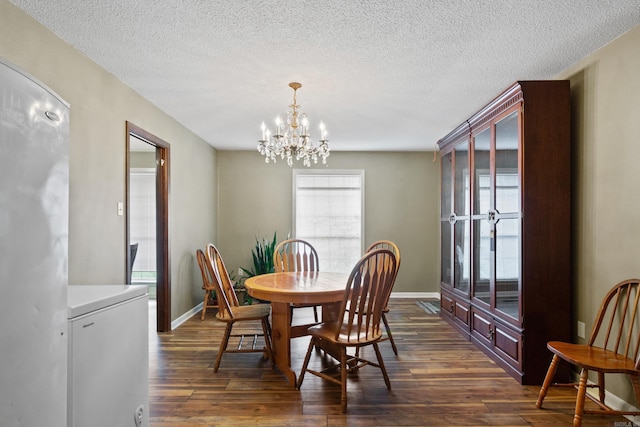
point(262, 256)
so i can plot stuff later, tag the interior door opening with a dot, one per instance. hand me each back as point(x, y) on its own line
point(147, 239)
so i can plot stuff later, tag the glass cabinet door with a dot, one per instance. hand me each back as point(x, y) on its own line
point(508, 218)
point(455, 214)
point(482, 228)
point(446, 190)
point(496, 217)
point(461, 219)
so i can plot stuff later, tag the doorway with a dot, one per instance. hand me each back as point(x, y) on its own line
point(147, 224)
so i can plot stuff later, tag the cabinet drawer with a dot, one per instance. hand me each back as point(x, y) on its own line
point(461, 312)
point(501, 340)
point(455, 308)
point(482, 328)
point(508, 344)
point(446, 304)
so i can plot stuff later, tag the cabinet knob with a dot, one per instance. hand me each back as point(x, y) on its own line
point(490, 334)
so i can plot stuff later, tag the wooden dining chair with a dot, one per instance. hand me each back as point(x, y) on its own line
point(613, 347)
point(387, 244)
point(207, 283)
point(358, 322)
point(231, 312)
point(296, 255)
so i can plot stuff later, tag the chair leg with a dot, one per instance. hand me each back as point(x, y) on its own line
point(386, 325)
point(582, 390)
point(382, 367)
point(204, 305)
point(343, 378)
point(601, 386)
point(551, 372)
point(315, 313)
point(223, 345)
point(266, 330)
point(306, 362)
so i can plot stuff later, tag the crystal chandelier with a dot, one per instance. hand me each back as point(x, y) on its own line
point(291, 139)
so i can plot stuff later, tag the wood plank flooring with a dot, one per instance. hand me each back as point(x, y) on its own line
point(437, 379)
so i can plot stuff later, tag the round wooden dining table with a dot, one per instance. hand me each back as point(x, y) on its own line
point(282, 289)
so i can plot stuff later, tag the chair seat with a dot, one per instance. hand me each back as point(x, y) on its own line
point(246, 312)
point(327, 331)
point(593, 358)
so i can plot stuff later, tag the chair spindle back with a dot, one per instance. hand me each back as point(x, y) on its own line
point(295, 255)
point(387, 244)
point(617, 327)
point(225, 293)
point(205, 271)
point(365, 296)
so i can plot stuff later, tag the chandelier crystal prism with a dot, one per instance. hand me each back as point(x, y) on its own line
point(291, 139)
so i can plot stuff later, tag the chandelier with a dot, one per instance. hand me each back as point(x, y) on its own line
point(291, 139)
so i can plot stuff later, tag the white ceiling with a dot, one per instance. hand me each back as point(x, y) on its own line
point(381, 74)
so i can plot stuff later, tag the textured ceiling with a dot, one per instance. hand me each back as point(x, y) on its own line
point(382, 74)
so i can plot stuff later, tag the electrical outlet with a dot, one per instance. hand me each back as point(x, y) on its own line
point(580, 329)
point(240, 272)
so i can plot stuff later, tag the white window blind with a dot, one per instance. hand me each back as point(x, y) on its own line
point(328, 213)
point(142, 220)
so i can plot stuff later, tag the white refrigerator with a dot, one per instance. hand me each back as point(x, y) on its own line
point(108, 356)
point(69, 356)
point(34, 205)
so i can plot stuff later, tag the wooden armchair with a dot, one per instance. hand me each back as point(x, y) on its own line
point(613, 347)
point(387, 244)
point(231, 312)
point(296, 255)
point(358, 322)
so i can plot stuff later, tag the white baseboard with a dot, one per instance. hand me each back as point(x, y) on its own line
point(618, 404)
point(186, 316)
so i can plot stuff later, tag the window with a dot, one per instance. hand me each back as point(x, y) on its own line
point(328, 213)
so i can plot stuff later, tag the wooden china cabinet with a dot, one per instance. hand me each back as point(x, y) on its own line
point(505, 224)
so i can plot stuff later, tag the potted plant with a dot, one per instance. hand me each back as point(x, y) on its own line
point(262, 255)
point(241, 291)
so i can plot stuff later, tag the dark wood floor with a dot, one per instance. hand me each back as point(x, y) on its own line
point(438, 379)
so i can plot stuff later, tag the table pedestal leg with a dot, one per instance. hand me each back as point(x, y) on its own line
point(330, 312)
point(281, 335)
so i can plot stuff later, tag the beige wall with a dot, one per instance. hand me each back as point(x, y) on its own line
point(401, 204)
point(100, 105)
point(606, 208)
